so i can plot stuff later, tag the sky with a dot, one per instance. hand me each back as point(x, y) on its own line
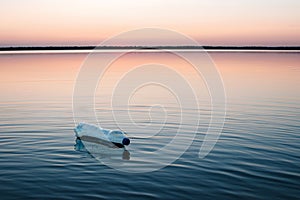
point(209, 22)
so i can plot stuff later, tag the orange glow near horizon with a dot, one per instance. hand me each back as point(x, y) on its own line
point(272, 73)
point(52, 75)
point(211, 22)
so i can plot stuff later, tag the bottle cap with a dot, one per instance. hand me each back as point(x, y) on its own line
point(125, 141)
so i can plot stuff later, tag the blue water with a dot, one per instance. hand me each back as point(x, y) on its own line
point(257, 155)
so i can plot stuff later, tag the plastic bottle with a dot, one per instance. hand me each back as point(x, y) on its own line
point(89, 130)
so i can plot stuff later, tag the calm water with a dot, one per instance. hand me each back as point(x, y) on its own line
point(256, 156)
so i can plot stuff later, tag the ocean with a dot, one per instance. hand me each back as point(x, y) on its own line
point(166, 108)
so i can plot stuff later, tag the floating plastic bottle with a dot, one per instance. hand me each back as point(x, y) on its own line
point(92, 132)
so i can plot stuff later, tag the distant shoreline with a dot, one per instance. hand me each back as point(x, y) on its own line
point(39, 48)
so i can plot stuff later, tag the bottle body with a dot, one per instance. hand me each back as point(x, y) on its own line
point(84, 129)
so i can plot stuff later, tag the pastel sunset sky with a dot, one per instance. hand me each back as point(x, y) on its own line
point(210, 22)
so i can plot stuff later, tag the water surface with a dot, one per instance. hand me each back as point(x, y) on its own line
point(256, 156)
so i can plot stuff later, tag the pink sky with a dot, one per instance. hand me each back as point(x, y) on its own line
point(210, 22)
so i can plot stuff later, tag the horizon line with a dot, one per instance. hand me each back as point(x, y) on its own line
point(145, 47)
